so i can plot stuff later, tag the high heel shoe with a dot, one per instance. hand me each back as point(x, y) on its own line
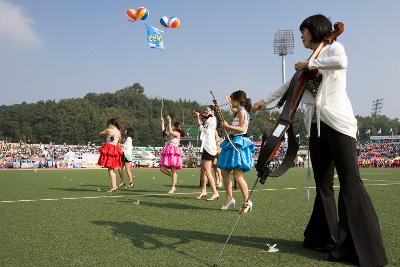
point(248, 206)
point(201, 196)
point(172, 190)
point(213, 197)
point(112, 189)
point(230, 203)
point(130, 185)
point(121, 185)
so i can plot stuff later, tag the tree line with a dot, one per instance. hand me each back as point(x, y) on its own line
point(79, 120)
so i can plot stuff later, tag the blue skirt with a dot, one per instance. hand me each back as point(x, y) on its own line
point(230, 158)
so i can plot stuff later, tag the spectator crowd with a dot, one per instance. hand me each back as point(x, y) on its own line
point(371, 154)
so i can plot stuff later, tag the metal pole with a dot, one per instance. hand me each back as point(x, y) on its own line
point(53, 157)
point(283, 69)
point(283, 45)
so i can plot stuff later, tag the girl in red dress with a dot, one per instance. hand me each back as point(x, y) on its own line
point(111, 152)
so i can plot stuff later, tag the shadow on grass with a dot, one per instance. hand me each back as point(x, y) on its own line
point(170, 196)
point(195, 187)
point(103, 189)
point(93, 185)
point(149, 237)
point(168, 205)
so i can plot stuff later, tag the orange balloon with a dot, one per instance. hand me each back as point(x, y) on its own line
point(132, 15)
point(174, 23)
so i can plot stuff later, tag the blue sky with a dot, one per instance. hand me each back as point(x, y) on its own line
point(65, 49)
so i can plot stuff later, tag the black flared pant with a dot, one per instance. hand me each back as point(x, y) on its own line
point(356, 230)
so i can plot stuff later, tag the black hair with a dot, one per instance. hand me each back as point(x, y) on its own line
point(178, 129)
point(241, 97)
point(129, 132)
point(211, 107)
point(115, 123)
point(319, 27)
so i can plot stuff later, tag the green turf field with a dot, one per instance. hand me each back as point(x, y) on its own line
point(65, 220)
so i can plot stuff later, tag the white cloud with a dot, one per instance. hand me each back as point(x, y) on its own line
point(16, 27)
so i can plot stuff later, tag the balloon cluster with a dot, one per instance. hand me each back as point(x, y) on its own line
point(141, 13)
point(172, 22)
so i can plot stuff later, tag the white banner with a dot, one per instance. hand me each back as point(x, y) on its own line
point(387, 137)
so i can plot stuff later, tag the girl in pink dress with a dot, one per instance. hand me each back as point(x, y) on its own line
point(172, 155)
point(111, 152)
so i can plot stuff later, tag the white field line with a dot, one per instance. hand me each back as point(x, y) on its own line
point(374, 173)
point(166, 194)
point(383, 184)
point(54, 199)
point(387, 181)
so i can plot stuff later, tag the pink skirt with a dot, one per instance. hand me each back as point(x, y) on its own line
point(171, 157)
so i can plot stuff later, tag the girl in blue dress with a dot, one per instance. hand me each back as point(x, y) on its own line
point(236, 157)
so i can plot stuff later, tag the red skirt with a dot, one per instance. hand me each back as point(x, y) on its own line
point(110, 156)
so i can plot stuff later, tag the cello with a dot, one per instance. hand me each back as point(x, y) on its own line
point(270, 145)
point(291, 100)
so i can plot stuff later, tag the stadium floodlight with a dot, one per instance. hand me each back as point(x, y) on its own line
point(283, 45)
point(377, 106)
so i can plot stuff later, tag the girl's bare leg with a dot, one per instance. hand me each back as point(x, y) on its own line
point(128, 166)
point(238, 174)
point(113, 179)
point(228, 185)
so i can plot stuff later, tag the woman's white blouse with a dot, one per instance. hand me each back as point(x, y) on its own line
point(331, 104)
point(207, 136)
point(127, 148)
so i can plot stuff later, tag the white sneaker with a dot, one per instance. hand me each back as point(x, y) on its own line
point(230, 203)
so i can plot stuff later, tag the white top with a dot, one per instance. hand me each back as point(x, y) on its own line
point(236, 121)
point(207, 135)
point(173, 140)
point(331, 104)
point(127, 148)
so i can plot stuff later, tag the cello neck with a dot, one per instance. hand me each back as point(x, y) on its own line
point(317, 51)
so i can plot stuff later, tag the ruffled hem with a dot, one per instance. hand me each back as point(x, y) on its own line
point(240, 142)
point(171, 157)
point(111, 150)
point(110, 162)
point(171, 162)
point(110, 156)
point(231, 159)
point(172, 150)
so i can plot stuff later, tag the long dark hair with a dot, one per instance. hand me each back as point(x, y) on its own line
point(129, 132)
point(115, 123)
point(178, 129)
point(241, 97)
point(319, 27)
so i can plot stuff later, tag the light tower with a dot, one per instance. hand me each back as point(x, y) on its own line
point(283, 45)
point(377, 106)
